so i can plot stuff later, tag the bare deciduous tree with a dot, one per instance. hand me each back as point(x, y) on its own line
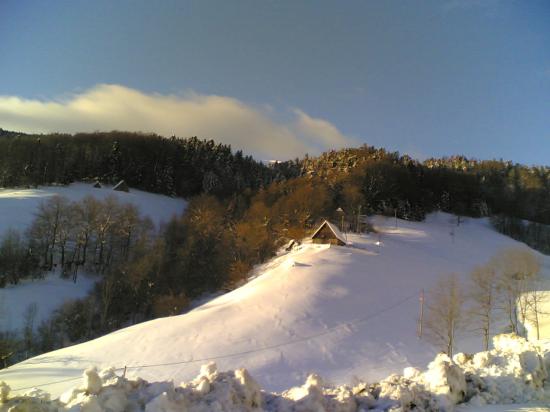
point(483, 295)
point(536, 300)
point(107, 294)
point(46, 227)
point(444, 318)
point(29, 319)
point(517, 269)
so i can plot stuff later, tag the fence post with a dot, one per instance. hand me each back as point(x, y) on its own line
point(421, 317)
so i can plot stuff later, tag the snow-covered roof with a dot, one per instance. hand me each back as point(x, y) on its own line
point(121, 186)
point(333, 228)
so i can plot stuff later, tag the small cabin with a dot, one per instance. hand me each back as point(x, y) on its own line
point(97, 184)
point(292, 244)
point(329, 233)
point(121, 187)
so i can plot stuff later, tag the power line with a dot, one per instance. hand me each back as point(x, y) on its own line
point(247, 352)
point(47, 384)
point(276, 346)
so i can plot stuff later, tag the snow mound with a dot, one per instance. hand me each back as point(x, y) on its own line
point(512, 372)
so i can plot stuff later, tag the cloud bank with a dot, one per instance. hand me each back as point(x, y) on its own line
point(224, 119)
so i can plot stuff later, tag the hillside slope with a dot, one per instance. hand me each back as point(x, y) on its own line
point(18, 206)
point(343, 312)
point(17, 209)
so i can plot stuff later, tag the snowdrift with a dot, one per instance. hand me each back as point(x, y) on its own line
point(514, 371)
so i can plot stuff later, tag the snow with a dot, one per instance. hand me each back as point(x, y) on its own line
point(532, 407)
point(18, 206)
point(17, 209)
point(48, 294)
point(440, 388)
point(348, 314)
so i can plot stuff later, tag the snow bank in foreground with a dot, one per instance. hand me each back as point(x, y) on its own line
point(514, 371)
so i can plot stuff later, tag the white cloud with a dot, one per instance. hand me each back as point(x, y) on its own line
point(224, 119)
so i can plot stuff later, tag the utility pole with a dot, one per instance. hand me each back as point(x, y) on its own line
point(395, 212)
point(421, 317)
point(341, 211)
point(358, 218)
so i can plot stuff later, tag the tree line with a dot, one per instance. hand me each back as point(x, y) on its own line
point(188, 167)
point(390, 183)
point(171, 166)
point(455, 184)
point(66, 236)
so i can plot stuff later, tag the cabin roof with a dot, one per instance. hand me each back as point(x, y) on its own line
point(333, 228)
point(121, 186)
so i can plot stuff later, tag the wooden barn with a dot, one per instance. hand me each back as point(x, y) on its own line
point(328, 233)
point(121, 187)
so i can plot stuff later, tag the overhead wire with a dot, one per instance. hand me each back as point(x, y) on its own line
point(247, 352)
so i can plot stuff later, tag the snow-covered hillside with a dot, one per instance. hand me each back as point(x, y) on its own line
point(513, 372)
point(17, 209)
point(18, 206)
point(48, 294)
point(346, 313)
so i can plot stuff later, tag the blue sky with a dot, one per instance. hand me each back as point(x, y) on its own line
point(281, 78)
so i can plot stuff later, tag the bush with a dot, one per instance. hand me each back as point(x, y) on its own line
point(16, 259)
point(170, 305)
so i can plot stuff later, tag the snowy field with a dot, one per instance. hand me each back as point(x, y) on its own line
point(17, 209)
point(346, 313)
point(18, 206)
point(48, 294)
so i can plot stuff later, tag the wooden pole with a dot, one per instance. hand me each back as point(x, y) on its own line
point(421, 317)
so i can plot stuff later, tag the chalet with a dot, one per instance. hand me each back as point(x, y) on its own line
point(121, 187)
point(328, 233)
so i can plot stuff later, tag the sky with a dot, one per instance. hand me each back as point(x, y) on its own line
point(279, 79)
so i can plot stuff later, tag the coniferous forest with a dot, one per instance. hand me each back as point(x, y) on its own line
point(240, 212)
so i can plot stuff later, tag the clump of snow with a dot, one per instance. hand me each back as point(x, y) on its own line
point(439, 388)
point(92, 381)
point(446, 380)
point(514, 371)
point(4, 392)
